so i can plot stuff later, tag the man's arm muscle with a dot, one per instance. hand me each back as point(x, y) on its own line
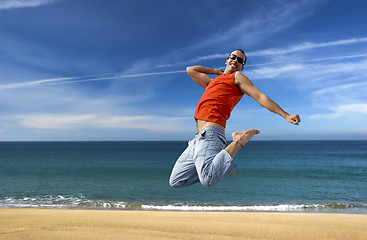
point(248, 88)
point(199, 74)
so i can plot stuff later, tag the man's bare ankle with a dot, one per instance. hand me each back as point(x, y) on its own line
point(243, 137)
point(240, 144)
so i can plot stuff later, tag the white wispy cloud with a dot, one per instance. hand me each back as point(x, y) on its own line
point(70, 80)
point(260, 25)
point(347, 111)
point(34, 83)
point(309, 60)
point(339, 91)
point(311, 72)
point(9, 4)
point(346, 101)
point(153, 123)
point(306, 46)
point(253, 28)
point(263, 71)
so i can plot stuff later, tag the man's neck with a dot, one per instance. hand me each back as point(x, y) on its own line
point(228, 71)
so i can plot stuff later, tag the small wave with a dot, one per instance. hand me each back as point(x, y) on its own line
point(227, 208)
point(81, 202)
point(264, 208)
point(58, 202)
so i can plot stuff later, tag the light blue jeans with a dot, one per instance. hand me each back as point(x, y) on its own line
point(204, 160)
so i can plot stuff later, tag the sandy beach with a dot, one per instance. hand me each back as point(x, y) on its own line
point(107, 224)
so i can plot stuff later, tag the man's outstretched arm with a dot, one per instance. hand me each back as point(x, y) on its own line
point(247, 87)
point(199, 74)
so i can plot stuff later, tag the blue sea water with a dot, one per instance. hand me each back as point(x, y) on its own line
point(304, 176)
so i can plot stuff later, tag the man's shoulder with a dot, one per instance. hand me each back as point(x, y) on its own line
point(239, 76)
point(238, 73)
point(241, 80)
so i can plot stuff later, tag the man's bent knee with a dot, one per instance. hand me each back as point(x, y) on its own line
point(177, 183)
point(208, 182)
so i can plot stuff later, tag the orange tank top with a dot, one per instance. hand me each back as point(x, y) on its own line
point(218, 100)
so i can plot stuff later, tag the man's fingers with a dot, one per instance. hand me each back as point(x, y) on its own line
point(296, 120)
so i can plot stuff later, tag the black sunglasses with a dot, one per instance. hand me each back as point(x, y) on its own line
point(239, 59)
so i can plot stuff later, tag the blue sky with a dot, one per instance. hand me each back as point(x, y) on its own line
point(115, 70)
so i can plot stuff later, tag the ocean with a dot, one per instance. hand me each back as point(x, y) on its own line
point(284, 176)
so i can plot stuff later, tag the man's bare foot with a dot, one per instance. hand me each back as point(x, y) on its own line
point(243, 137)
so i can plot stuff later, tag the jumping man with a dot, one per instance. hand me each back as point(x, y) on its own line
point(206, 159)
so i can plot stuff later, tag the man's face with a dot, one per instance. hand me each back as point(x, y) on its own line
point(232, 65)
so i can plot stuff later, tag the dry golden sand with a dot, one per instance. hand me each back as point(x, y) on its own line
point(99, 224)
